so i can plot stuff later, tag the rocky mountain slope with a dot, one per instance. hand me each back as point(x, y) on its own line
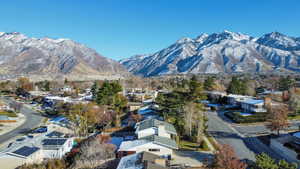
point(225, 52)
point(21, 55)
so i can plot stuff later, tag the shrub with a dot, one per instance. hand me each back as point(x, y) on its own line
point(204, 146)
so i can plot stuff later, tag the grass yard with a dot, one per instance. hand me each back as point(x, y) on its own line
point(294, 117)
point(191, 146)
point(8, 113)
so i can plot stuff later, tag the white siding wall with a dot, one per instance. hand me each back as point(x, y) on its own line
point(163, 151)
point(146, 132)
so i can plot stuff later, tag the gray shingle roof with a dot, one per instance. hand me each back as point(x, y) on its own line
point(163, 141)
point(155, 123)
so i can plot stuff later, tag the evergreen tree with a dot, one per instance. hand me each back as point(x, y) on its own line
point(285, 83)
point(237, 86)
point(209, 83)
point(263, 161)
point(94, 90)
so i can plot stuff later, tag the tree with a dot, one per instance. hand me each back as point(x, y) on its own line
point(46, 85)
point(237, 86)
point(16, 106)
point(285, 165)
point(93, 153)
point(48, 164)
point(285, 83)
point(294, 102)
point(94, 90)
point(263, 161)
point(66, 81)
point(209, 83)
point(194, 121)
point(24, 83)
point(195, 89)
point(119, 104)
point(107, 92)
point(278, 118)
point(88, 116)
point(226, 158)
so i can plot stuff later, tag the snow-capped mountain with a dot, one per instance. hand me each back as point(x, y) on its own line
point(21, 55)
point(225, 52)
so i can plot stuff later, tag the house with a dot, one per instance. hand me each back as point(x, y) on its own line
point(143, 160)
point(66, 89)
point(26, 154)
point(56, 147)
point(161, 146)
point(134, 106)
point(215, 96)
point(236, 100)
point(253, 105)
point(155, 127)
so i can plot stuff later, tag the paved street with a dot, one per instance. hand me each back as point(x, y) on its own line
point(241, 138)
point(33, 119)
point(225, 134)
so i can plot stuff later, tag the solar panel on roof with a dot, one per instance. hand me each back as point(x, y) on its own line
point(47, 142)
point(26, 151)
point(55, 134)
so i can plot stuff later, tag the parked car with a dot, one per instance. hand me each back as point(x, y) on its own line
point(42, 129)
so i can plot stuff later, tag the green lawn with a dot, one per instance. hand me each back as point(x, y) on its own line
point(191, 146)
point(294, 117)
point(8, 113)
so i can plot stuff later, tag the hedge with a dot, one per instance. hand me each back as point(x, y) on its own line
point(236, 117)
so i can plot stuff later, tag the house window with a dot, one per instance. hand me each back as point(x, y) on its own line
point(154, 149)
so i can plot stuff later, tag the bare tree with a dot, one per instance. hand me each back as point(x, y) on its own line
point(16, 106)
point(278, 118)
point(226, 158)
point(194, 119)
point(93, 153)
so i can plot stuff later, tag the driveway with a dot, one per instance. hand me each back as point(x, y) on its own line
point(190, 158)
point(33, 119)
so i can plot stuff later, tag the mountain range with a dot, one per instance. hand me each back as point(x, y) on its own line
point(24, 56)
point(225, 52)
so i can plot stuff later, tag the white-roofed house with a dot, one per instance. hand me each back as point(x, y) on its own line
point(161, 146)
point(155, 127)
point(236, 100)
point(253, 105)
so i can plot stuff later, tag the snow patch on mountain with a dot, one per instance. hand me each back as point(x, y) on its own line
point(225, 52)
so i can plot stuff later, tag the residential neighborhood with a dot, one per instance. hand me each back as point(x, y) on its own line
point(137, 84)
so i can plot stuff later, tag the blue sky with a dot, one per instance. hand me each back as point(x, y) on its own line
point(122, 28)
